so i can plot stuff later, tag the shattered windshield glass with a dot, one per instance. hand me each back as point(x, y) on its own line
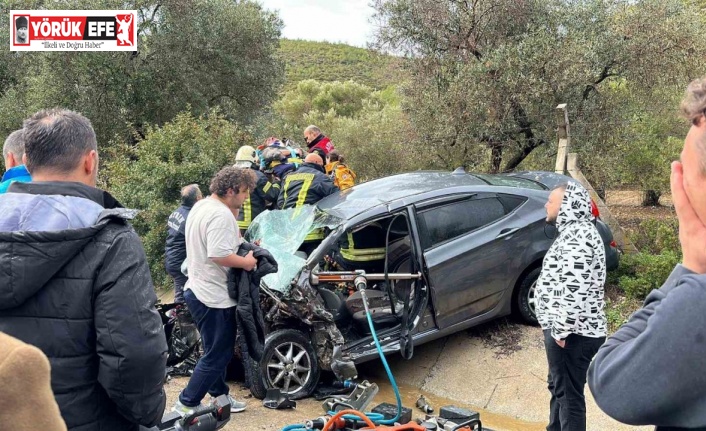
point(281, 232)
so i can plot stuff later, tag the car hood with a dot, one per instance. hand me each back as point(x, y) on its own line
point(282, 232)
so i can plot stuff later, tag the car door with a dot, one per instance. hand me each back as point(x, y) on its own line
point(468, 250)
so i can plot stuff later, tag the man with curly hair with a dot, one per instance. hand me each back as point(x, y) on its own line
point(212, 240)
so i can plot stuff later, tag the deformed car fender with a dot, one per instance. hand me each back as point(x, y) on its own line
point(303, 304)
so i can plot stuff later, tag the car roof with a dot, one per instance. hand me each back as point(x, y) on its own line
point(382, 191)
point(549, 179)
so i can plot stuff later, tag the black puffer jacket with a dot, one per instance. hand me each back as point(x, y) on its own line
point(84, 296)
point(244, 287)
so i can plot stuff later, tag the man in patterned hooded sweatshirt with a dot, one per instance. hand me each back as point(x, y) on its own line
point(570, 304)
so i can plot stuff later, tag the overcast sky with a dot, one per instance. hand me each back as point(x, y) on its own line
point(325, 20)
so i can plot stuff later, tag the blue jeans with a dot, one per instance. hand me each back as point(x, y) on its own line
point(217, 329)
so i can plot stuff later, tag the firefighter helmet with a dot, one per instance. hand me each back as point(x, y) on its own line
point(246, 153)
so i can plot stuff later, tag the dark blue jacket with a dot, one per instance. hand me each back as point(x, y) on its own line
point(175, 250)
point(307, 185)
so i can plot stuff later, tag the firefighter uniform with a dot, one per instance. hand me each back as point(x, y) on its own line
point(362, 249)
point(306, 186)
point(265, 194)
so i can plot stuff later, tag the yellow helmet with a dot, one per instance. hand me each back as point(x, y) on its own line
point(246, 153)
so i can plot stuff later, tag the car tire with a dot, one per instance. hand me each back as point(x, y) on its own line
point(525, 297)
point(277, 358)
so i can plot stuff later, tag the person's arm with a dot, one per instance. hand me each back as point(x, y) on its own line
point(222, 241)
point(645, 373)
point(326, 186)
point(26, 391)
point(270, 191)
point(577, 262)
point(280, 197)
point(247, 262)
point(130, 339)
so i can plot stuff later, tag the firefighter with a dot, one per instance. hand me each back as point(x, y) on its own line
point(307, 185)
point(276, 165)
point(265, 194)
point(362, 249)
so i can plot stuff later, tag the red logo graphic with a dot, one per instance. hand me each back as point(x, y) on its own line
point(126, 36)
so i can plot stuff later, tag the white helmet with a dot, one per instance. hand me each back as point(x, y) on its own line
point(246, 157)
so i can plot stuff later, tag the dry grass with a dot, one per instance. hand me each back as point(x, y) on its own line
point(632, 198)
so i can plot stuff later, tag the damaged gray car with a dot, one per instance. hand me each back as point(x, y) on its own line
point(441, 252)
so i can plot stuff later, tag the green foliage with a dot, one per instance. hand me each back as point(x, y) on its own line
point(634, 147)
point(149, 175)
point(193, 54)
point(656, 236)
point(376, 142)
point(344, 99)
point(618, 309)
point(368, 127)
point(487, 75)
point(641, 273)
point(323, 61)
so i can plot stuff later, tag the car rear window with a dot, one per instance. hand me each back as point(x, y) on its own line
point(510, 202)
point(505, 181)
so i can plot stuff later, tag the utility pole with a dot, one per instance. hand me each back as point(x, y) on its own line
point(564, 138)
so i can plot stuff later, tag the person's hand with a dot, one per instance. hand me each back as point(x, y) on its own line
point(250, 262)
point(692, 232)
point(561, 343)
point(257, 242)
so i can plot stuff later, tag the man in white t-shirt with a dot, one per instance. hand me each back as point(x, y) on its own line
point(212, 239)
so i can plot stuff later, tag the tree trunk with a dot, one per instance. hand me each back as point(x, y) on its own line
point(601, 193)
point(651, 198)
point(496, 157)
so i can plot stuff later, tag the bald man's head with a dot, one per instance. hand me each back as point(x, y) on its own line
point(190, 195)
point(314, 158)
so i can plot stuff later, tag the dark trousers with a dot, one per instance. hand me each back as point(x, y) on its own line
point(217, 329)
point(567, 378)
point(179, 282)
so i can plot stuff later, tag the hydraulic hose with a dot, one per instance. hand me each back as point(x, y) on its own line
point(348, 413)
point(370, 419)
point(384, 362)
point(377, 418)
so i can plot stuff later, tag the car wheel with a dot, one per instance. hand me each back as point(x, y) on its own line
point(526, 297)
point(289, 364)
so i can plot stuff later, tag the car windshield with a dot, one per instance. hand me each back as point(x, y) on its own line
point(505, 181)
point(281, 232)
